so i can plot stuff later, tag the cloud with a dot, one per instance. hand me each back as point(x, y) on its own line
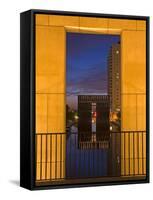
point(93, 80)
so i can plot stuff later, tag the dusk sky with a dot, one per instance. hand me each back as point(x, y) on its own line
point(87, 64)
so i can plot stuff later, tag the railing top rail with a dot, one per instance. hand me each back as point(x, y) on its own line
point(111, 132)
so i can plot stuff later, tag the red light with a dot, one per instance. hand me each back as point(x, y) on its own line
point(95, 114)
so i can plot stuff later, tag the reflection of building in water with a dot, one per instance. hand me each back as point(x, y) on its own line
point(93, 123)
point(114, 86)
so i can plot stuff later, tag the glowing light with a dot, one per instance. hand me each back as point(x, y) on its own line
point(76, 117)
point(95, 114)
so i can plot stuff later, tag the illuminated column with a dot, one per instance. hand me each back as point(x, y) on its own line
point(50, 99)
point(133, 95)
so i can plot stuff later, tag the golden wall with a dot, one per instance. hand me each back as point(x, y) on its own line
point(51, 88)
point(50, 101)
point(133, 116)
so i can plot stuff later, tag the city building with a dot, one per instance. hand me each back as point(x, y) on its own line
point(114, 74)
point(93, 113)
point(114, 86)
point(114, 92)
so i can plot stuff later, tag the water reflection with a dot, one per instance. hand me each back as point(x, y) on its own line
point(86, 161)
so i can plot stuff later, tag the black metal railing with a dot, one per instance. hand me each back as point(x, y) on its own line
point(61, 156)
point(50, 156)
point(133, 153)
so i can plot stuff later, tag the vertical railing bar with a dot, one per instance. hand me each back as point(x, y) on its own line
point(133, 153)
point(124, 156)
point(60, 156)
point(46, 159)
point(96, 157)
point(136, 113)
point(93, 159)
point(70, 167)
point(88, 159)
point(129, 150)
point(66, 151)
point(41, 158)
point(119, 151)
point(137, 135)
point(36, 155)
point(110, 153)
point(84, 159)
point(90, 162)
point(63, 151)
point(75, 147)
point(138, 150)
point(142, 155)
point(50, 156)
point(70, 153)
point(56, 157)
point(46, 139)
point(79, 154)
point(99, 153)
point(114, 135)
point(120, 154)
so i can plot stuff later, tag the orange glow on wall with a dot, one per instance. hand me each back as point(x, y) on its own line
point(51, 86)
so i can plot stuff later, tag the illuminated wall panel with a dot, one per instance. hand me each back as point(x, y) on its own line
point(49, 71)
point(133, 61)
point(50, 99)
point(133, 112)
point(55, 20)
